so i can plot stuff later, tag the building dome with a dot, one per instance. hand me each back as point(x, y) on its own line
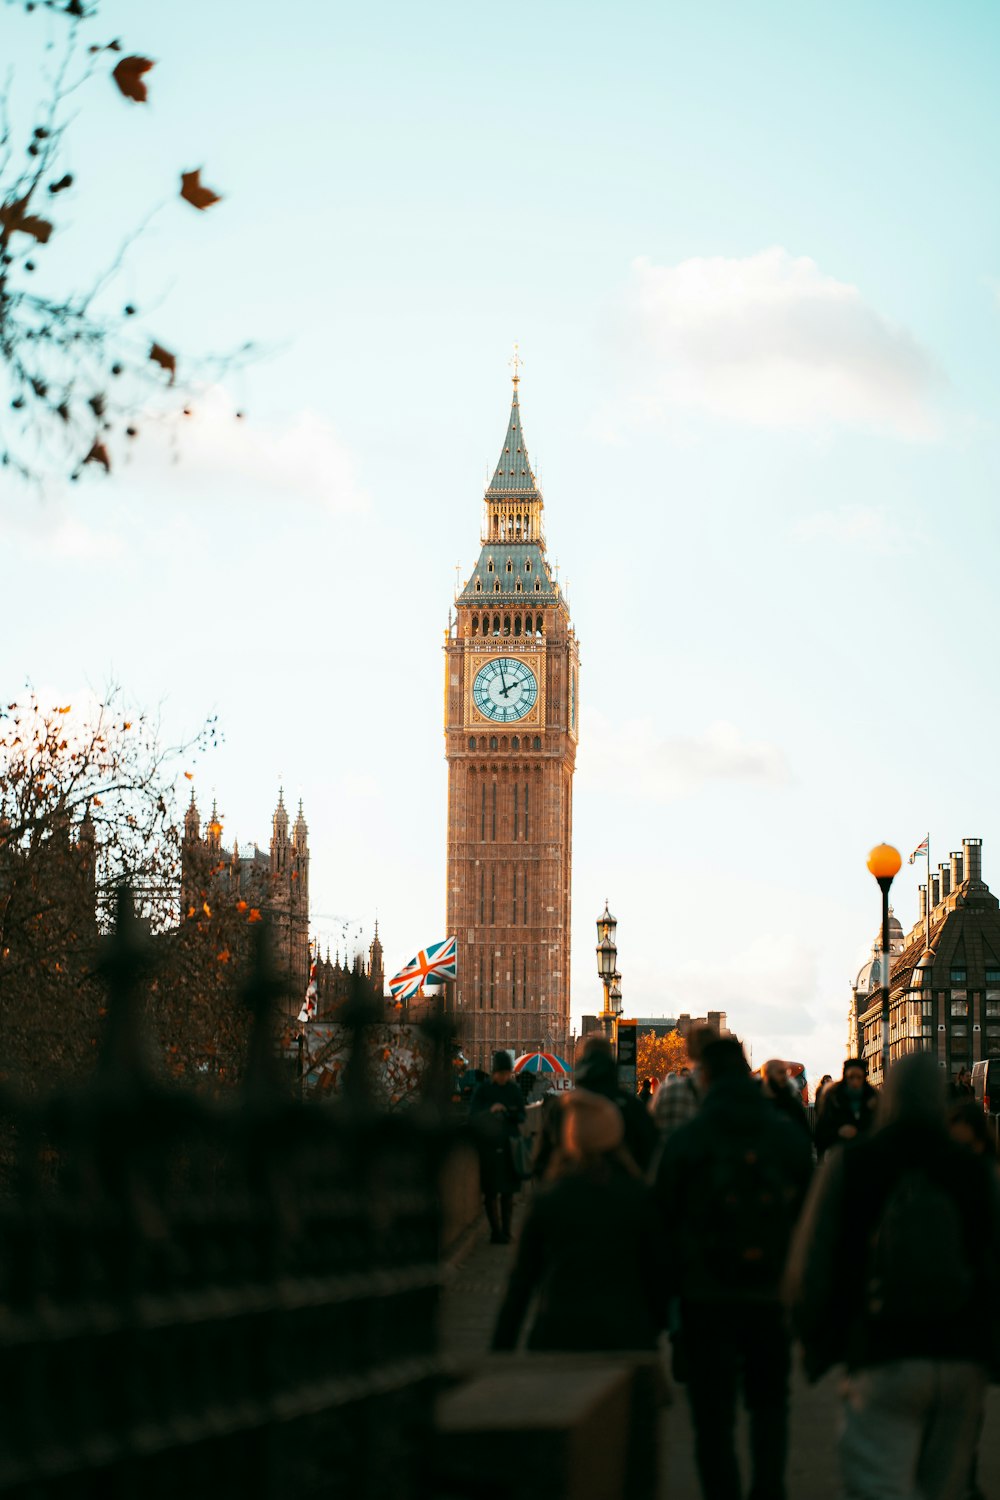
point(870, 974)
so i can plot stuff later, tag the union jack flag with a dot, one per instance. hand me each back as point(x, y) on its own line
point(921, 849)
point(309, 1003)
point(430, 965)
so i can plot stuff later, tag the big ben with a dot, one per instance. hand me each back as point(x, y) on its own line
point(511, 728)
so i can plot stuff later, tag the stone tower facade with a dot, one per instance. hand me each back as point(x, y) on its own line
point(511, 728)
point(276, 882)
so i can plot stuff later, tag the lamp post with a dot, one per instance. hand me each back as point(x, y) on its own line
point(884, 862)
point(607, 960)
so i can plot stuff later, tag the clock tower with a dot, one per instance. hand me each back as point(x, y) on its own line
point(511, 727)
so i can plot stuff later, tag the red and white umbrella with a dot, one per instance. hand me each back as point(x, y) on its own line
point(540, 1062)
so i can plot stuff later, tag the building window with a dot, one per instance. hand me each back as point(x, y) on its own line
point(479, 587)
point(510, 566)
point(536, 743)
point(993, 976)
point(927, 1007)
point(957, 976)
point(493, 896)
point(493, 746)
point(538, 585)
point(516, 742)
point(525, 812)
point(527, 565)
point(993, 1003)
point(475, 624)
point(517, 586)
point(959, 1004)
point(960, 1031)
point(496, 587)
point(472, 742)
point(489, 566)
point(482, 906)
point(516, 814)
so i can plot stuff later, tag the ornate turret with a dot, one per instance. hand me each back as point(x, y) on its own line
point(279, 835)
point(192, 821)
point(376, 969)
point(213, 830)
point(300, 833)
point(513, 499)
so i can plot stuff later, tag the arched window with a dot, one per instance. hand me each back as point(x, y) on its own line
point(515, 743)
point(527, 564)
point(538, 585)
point(472, 742)
point(496, 586)
point(475, 624)
point(536, 743)
point(506, 624)
point(517, 624)
point(496, 624)
point(510, 565)
point(489, 566)
point(517, 587)
point(493, 742)
point(538, 624)
point(479, 586)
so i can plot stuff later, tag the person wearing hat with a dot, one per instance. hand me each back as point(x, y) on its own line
point(592, 1210)
point(847, 1109)
point(497, 1113)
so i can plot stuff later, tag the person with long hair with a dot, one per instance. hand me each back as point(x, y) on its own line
point(592, 1209)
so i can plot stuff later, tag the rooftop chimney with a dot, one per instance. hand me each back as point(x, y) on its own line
point(923, 903)
point(956, 868)
point(935, 890)
point(945, 880)
point(973, 861)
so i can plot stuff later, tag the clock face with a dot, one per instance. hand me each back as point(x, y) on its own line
point(504, 690)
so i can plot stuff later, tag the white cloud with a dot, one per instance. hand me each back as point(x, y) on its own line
point(634, 756)
point(852, 525)
point(301, 456)
point(771, 341)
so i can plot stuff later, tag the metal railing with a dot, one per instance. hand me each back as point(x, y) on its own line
point(230, 1298)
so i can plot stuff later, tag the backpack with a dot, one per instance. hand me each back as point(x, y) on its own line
point(747, 1216)
point(918, 1252)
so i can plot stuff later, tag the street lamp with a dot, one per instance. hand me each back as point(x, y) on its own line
point(884, 862)
point(607, 962)
point(616, 994)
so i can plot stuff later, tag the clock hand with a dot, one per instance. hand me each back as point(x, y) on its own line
point(503, 680)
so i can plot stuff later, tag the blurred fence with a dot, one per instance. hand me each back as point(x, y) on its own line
point(221, 1298)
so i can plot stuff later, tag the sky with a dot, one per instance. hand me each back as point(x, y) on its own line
point(751, 258)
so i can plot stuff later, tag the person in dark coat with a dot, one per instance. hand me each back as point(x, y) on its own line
point(497, 1113)
point(894, 1273)
point(593, 1210)
point(597, 1072)
point(729, 1186)
point(847, 1108)
point(776, 1087)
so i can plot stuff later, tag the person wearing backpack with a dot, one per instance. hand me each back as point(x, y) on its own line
point(729, 1187)
point(894, 1273)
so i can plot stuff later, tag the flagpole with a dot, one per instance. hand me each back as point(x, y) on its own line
point(928, 901)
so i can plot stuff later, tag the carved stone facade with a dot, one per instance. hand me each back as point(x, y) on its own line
point(511, 728)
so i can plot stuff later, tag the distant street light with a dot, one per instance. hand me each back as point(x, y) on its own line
point(607, 963)
point(884, 862)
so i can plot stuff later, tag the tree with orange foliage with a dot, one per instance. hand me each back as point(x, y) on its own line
point(656, 1056)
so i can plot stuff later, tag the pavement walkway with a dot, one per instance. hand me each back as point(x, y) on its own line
point(473, 1291)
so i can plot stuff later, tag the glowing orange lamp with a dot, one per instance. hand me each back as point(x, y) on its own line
point(884, 862)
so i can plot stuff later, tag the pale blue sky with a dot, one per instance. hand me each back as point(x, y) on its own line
point(751, 255)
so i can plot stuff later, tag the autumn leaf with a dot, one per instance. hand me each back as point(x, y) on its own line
point(206, 908)
point(64, 710)
point(241, 906)
point(255, 915)
point(164, 359)
point(128, 75)
point(14, 217)
point(99, 455)
point(189, 775)
point(223, 957)
point(191, 911)
point(195, 193)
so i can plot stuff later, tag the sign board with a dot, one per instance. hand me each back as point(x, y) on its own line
point(627, 1043)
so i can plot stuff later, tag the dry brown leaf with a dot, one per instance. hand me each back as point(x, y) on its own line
point(193, 191)
point(128, 75)
point(99, 455)
point(165, 359)
point(14, 217)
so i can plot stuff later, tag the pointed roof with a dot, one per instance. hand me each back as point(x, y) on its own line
point(513, 475)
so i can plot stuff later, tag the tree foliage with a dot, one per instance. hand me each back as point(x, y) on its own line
point(88, 800)
point(76, 367)
point(656, 1056)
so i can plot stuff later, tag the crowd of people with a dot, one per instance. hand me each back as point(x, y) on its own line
point(739, 1229)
